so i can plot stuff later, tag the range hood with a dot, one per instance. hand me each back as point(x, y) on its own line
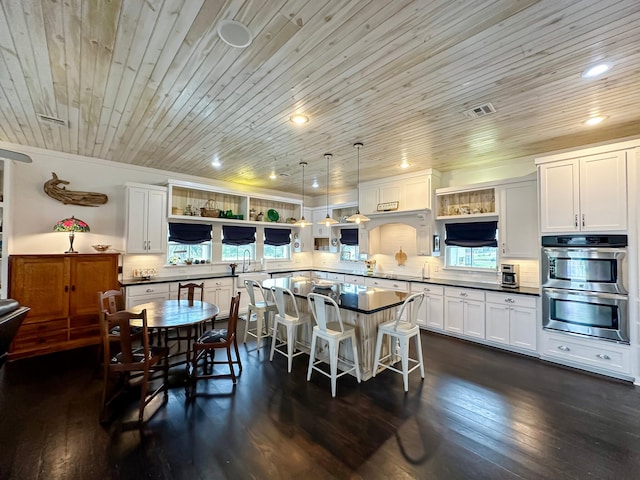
point(413, 218)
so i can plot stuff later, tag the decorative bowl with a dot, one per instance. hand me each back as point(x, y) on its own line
point(101, 248)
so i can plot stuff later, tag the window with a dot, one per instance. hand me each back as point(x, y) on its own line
point(482, 258)
point(189, 243)
point(350, 253)
point(180, 252)
point(472, 245)
point(277, 243)
point(349, 250)
point(238, 243)
point(233, 253)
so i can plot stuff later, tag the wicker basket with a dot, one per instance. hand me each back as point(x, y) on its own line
point(209, 211)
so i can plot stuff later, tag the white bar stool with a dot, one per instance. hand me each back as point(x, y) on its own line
point(259, 308)
point(290, 322)
point(401, 331)
point(333, 332)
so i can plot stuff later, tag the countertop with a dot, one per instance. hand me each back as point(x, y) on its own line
point(357, 298)
point(490, 287)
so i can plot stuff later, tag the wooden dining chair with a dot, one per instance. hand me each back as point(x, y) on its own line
point(194, 291)
point(202, 351)
point(130, 362)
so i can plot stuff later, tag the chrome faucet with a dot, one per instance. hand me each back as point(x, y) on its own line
point(246, 260)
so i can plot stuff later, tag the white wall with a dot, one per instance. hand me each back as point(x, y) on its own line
point(32, 213)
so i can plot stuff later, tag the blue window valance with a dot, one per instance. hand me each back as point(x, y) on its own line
point(189, 233)
point(349, 236)
point(277, 237)
point(232, 235)
point(474, 234)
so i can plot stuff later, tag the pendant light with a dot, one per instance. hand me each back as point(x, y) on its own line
point(328, 221)
point(302, 222)
point(358, 217)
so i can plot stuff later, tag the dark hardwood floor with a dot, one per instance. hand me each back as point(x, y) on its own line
point(480, 413)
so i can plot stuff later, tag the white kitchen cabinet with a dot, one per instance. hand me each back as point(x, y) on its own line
point(387, 284)
point(146, 219)
point(584, 193)
point(219, 292)
point(431, 314)
point(320, 230)
point(464, 311)
point(518, 228)
point(589, 354)
point(412, 192)
point(512, 320)
point(216, 290)
point(144, 293)
point(354, 279)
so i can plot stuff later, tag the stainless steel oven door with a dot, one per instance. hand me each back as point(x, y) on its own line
point(602, 315)
point(589, 269)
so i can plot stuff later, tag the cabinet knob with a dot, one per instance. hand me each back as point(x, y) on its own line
point(426, 290)
point(583, 219)
point(149, 290)
point(603, 356)
point(564, 348)
point(509, 300)
point(576, 220)
point(464, 294)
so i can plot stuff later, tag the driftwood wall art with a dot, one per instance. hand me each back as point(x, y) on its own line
point(71, 197)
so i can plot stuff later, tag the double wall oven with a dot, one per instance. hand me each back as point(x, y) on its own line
point(584, 288)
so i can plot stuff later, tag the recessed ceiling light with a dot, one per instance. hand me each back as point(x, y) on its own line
point(273, 176)
point(404, 164)
point(315, 183)
point(594, 120)
point(596, 70)
point(299, 119)
point(215, 163)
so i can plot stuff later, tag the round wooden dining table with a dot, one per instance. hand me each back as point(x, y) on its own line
point(174, 314)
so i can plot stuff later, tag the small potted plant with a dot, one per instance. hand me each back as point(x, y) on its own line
point(233, 266)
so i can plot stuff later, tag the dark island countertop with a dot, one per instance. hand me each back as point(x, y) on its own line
point(357, 298)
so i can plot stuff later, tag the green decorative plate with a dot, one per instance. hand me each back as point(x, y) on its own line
point(272, 215)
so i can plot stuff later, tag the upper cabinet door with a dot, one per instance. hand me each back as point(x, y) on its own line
point(157, 221)
point(518, 232)
point(603, 192)
point(559, 197)
point(146, 220)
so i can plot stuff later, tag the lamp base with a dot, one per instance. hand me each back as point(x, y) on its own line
point(71, 238)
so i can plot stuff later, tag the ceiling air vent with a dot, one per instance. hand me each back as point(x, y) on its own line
point(480, 111)
point(53, 120)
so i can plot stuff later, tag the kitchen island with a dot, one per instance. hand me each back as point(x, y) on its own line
point(361, 306)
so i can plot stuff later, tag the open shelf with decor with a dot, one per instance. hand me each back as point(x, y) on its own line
point(459, 203)
point(203, 203)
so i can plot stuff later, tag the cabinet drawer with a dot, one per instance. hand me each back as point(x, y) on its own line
point(218, 282)
point(427, 288)
point(37, 328)
point(45, 338)
point(337, 277)
point(511, 299)
point(387, 284)
point(152, 289)
point(354, 279)
point(464, 293)
point(591, 353)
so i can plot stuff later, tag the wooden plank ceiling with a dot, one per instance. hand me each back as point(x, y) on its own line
point(151, 83)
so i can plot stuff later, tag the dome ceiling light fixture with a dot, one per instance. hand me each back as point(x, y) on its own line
point(302, 222)
point(358, 217)
point(328, 221)
point(234, 33)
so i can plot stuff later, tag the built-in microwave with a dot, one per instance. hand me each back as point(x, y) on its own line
point(600, 315)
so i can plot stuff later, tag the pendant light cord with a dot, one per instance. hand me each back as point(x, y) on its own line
point(328, 157)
